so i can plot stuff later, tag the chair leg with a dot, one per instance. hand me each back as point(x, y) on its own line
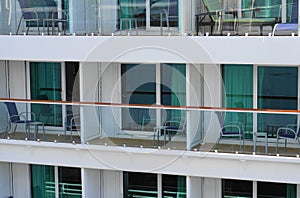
point(277, 145)
point(216, 145)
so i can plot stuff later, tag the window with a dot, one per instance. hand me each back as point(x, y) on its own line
point(173, 186)
point(43, 181)
point(139, 184)
point(277, 89)
point(275, 190)
point(139, 87)
point(146, 185)
point(237, 188)
point(45, 84)
point(238, 93)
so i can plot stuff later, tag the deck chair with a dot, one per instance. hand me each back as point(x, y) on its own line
point(293, 25)
point(15, 118)
point(233, 129)
point(165, 12)
point(170, 128)
point(34, 12)
point(72, 123)
point(258, 20)
point(211, 16)
point(290, 132)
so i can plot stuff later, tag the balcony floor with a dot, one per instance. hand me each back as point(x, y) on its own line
point(146, 142)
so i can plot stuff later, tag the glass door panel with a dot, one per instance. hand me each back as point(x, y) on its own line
point(138, 87)
point(130, 9)
point(277, 89)
point(45, 84)
point(42, 181)
point(69, 182)
point(166, 9)
point(173, 90)
point(139, 185)
point(238, 93)
point(173, 186)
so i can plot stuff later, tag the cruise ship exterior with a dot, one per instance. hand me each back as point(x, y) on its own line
point(149, 98)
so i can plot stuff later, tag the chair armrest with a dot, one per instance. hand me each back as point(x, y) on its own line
point(287, 132)
point(231, 126)
point(33, 117)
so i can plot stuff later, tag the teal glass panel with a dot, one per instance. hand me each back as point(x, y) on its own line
point(173, 186)
point(238, 93)
point(237, 188)
point(162, 8)
point(277, 89)
point(130, 9)
point(70, 182)
point(139, 185)
point(42, 181)
point(45, 84)
point(173, 89)
point(266, 8)
point(276, 190)
point(138, 87)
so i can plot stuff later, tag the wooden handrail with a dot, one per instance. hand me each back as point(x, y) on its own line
point(154, 106)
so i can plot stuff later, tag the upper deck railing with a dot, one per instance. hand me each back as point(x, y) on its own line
point(189, 128)
point(163, 17)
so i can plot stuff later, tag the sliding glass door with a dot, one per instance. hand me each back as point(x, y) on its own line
point(277, 89)
point(139, 86)
point(45, 84)
point(238, 93)
point(148, 12)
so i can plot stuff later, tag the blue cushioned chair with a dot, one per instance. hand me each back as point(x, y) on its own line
point(232, 129)
point(290, 132)
point(293, 25)
point(16, 118)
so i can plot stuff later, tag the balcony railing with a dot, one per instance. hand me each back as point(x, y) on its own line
point(165, 17)
point(248, 131)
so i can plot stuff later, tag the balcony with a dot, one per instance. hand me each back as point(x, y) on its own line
point(244, 131)
point(164, 18)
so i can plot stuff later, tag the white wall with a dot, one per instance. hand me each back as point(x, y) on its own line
point(212, 187)
point(89, 78)
point(194, 89)
point(21, 181)
point(195, 190)
point(3, 80)
point(112, 184)
point(108, 16)
point(83, 16)
point(212, 98)
point(111, 93)
point(5, 180)
point(91, 183)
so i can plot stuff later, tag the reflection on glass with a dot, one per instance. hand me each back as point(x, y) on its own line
point(45, 84)
point(237, 188)
point(139, 184)
point(42, 181)
point(138, 87)
point(69, 182)
point(238, 93)
point(269, 189)
point(174, 186)
point(277, 89)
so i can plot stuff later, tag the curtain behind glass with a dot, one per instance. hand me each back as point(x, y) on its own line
point(173, 77)
point(173, 186)
point(45, 84)
point(238, 92)
point(42, 181)
point(277, 89)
